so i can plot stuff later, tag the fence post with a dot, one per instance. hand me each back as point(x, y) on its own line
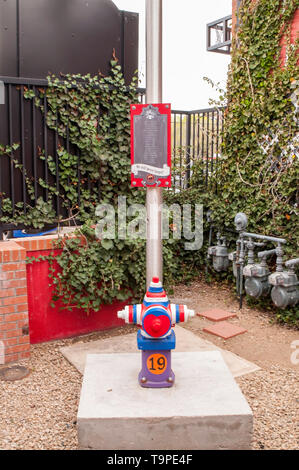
point(188, 147)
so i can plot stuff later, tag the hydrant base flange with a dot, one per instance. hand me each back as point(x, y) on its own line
point(156, 369)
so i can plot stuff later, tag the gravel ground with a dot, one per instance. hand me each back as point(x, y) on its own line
point(39, 412)
point(274, 399)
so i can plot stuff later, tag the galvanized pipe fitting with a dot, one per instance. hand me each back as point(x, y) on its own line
point(264, 237)
point(265, 254)
point(291, 263)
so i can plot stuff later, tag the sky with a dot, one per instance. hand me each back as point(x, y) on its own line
point(185, 59)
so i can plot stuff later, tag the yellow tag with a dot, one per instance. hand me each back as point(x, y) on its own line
point(157, 363)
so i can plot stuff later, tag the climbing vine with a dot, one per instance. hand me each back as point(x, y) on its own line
point(259, 172)
point(91, 118)
point(259, 166)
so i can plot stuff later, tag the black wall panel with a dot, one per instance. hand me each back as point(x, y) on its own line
point(8, 38)
point(68, 36)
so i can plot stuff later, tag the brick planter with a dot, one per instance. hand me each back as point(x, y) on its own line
point(14, 334)
point(26, 315)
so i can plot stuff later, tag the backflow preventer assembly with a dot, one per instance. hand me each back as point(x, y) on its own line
point(259, 281)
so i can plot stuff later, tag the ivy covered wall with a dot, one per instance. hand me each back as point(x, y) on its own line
point(259, 172)
point(260, 153)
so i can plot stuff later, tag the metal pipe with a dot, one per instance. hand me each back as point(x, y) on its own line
point(208, 256)
point(154, 259)
point(279, 259)
point(263, 254)
point(291, 262)
point(250, 246)
point(241, 265)
point(264, 237)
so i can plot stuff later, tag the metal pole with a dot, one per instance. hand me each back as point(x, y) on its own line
point(154, 259)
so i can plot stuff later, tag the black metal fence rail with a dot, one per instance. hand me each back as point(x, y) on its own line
point(196, 139)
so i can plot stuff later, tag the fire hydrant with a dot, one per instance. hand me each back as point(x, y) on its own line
point(156, 338)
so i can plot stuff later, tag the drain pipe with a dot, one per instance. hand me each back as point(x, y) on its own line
point(154, 259)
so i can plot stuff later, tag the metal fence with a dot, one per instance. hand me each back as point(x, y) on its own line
point(22, 122)
point(195, 139)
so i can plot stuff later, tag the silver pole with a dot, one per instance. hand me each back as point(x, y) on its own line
point(154, 258)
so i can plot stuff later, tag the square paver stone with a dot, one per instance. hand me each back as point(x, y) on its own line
point(224, 329)
point(216, 314)
point(205, 409)
point(186, 341)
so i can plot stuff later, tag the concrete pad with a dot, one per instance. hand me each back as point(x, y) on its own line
point(216, 314)
point(225, 330)
point(205, 408)
point(186, 341)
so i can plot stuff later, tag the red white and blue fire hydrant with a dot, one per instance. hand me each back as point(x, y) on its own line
point(156, 316)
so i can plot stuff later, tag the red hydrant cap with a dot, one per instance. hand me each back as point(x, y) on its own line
point(155, 280)
point(156, 326)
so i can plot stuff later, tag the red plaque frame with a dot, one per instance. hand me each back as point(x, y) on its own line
point(151, 180)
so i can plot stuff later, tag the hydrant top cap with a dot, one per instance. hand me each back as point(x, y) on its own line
point(155, 280)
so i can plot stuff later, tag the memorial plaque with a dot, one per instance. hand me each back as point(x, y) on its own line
point(151, 145)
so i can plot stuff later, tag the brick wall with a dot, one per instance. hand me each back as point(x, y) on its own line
point(14, 329)
point(294, 36)
point(14, 315)
point(294, 27)
point(14, 318)
point(234, 16)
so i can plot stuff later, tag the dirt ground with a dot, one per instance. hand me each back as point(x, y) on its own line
point(39, 412)
point(265, 343)
point(272, 392)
